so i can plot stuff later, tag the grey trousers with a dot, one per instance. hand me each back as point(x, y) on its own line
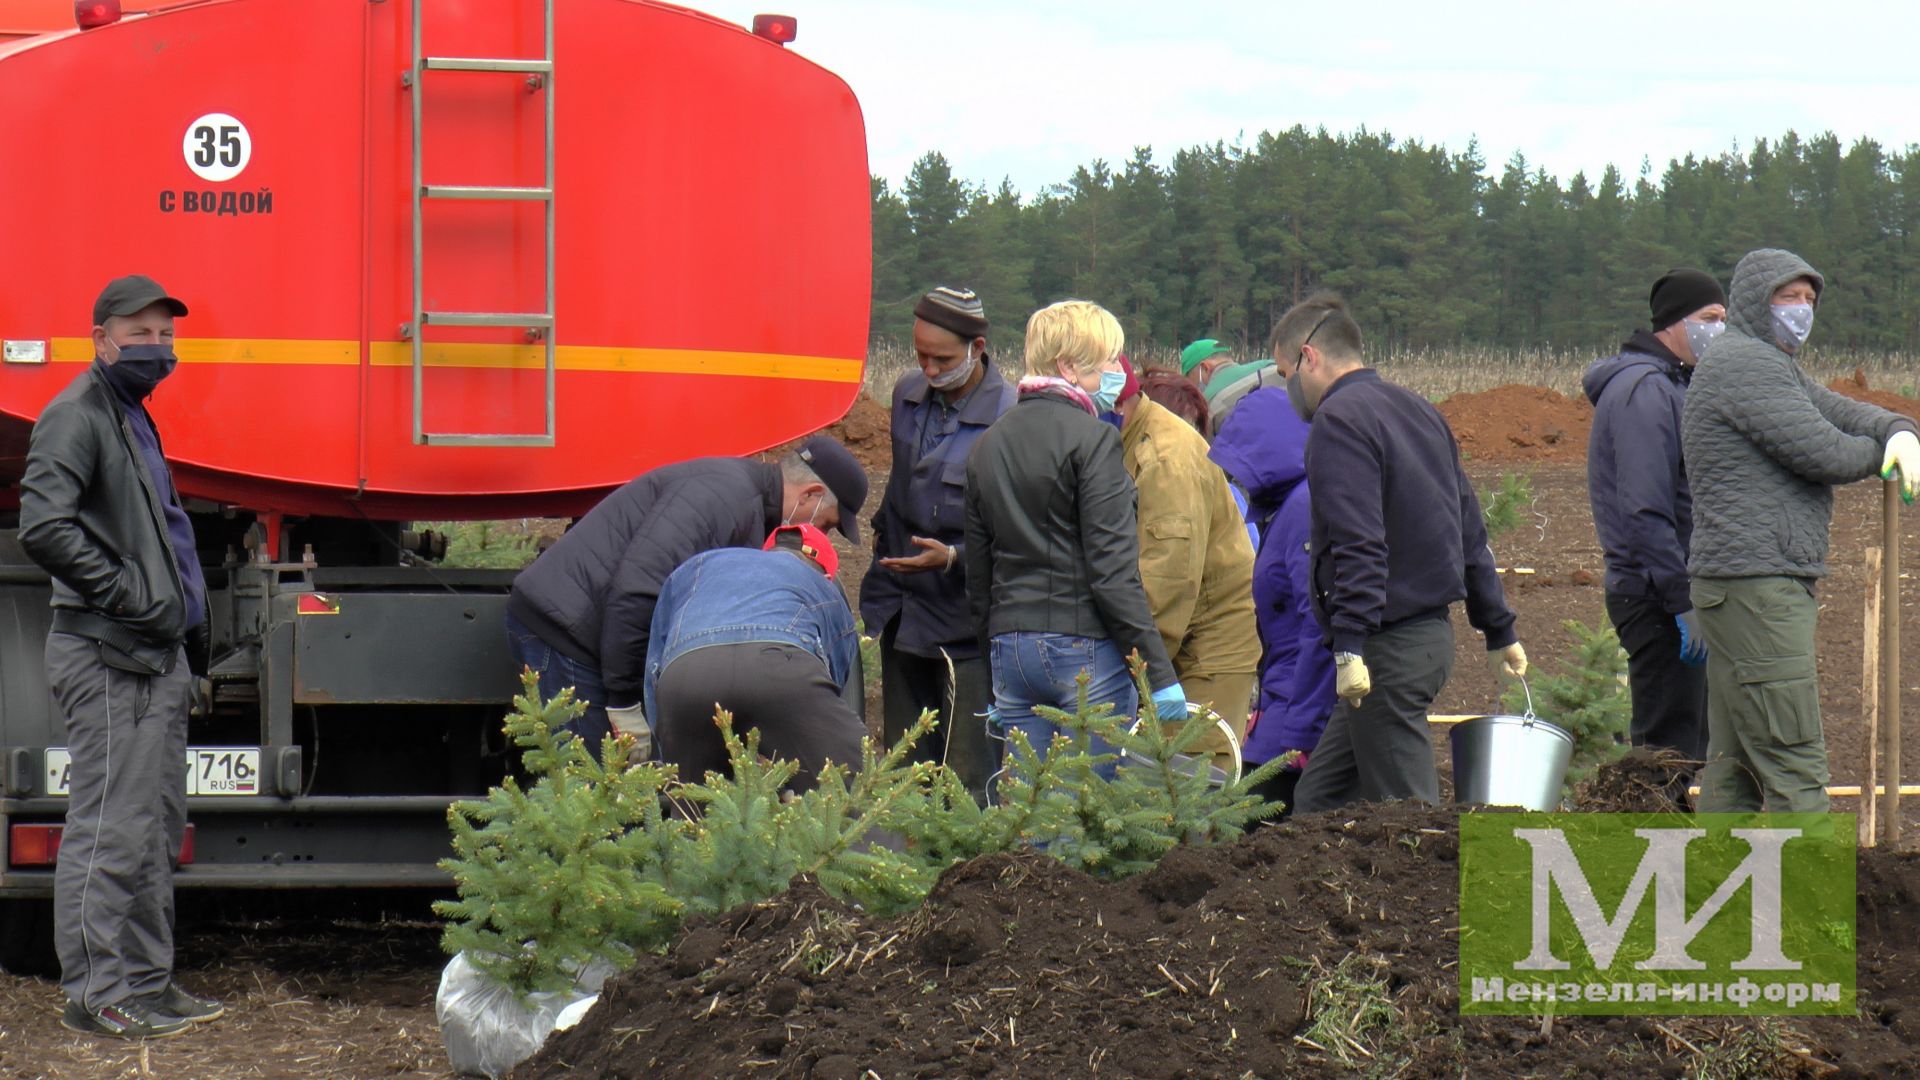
point(126, 816)
point(1765, 746)
point(781, 691)
point(1383, 750)
point(911, 683)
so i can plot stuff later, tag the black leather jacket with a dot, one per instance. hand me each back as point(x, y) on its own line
point(1053, 542)
point(89, 516)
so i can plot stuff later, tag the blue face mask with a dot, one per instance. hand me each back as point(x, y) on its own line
point(1107, 397)
point(1791, 325)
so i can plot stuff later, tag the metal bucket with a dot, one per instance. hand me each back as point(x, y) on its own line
point(1510, 760)
point(1219, 773)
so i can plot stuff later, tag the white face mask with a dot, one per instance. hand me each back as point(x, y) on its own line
point(817, 502)
point(953, 380)
point(1791, 325)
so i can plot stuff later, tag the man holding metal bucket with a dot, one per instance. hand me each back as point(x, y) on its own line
point(1396, 539)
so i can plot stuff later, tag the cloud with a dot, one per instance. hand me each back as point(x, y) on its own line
point(1030, 90)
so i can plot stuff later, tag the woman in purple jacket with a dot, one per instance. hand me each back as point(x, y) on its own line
point(1263, 449)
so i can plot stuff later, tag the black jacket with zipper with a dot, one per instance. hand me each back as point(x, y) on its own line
point(1052, 542)
point(90, 517)
point(591, 596)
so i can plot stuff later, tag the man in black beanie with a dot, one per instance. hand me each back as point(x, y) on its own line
point(914, 597)
point(1643, 510)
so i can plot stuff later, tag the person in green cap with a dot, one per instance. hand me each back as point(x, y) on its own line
point(1200, 360)
point(1223, 382)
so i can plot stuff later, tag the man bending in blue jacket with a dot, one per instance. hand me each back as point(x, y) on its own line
point(768, 636)
point(1643, 510)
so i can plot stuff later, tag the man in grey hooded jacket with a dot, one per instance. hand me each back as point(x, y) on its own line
point(1764, 445)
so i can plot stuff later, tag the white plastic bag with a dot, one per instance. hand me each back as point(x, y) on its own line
point(488, 1029)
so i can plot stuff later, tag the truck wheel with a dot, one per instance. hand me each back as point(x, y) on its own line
point(26, 937)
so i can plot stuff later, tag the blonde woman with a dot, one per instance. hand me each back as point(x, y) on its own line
point(1052, 543)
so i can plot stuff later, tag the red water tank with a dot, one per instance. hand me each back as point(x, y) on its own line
point(710, 259)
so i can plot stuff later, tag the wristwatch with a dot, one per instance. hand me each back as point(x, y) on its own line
point(1342, 659)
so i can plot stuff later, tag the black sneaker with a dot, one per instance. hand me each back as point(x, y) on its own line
point(130, 1019)
point(173, 1001)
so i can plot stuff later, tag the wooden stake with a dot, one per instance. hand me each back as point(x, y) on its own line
point(1870, 701)
point(1890, 662)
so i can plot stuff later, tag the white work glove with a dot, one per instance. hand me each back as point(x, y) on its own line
point(632, 720)
point(1508, 663)
point(1351, 680)
point(1903, 455)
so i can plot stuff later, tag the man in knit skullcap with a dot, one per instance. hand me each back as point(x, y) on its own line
point(914, 597)
point(1643, 510)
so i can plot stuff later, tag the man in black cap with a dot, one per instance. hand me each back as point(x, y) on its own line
point(580, 616)
point(914, 597)
point(99, 513)
point(1643, 509)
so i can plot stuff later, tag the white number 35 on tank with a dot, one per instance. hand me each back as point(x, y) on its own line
point(217, 147)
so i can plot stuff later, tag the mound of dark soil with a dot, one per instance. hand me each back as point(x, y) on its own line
point(1020, 967)
point(1642, 782)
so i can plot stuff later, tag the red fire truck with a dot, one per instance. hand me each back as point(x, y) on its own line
point(446, 259)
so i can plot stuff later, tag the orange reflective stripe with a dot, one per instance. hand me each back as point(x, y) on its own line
point(233, 351)
point(471, 355)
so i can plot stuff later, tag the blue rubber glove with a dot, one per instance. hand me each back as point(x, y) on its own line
point(1170, 703)
point(1693, 643)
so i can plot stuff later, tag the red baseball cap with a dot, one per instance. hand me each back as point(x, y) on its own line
point(806, 540)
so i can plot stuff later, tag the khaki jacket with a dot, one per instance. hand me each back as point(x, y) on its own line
point(1196, 560)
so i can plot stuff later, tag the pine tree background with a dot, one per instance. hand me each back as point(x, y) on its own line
point(1434, 252)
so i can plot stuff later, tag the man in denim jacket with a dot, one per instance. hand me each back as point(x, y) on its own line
point(767, 636)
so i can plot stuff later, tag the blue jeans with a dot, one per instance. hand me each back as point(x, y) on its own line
point(1032, 669)
point(556, 672)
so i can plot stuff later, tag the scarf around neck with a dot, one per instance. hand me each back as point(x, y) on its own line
point(1057, 387)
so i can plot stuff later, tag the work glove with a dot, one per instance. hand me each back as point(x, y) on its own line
point(632, 720)
point(1170, 704)
point(1693, 643)
point(1351, 680)
point(1508, 663)
point(1903, 456)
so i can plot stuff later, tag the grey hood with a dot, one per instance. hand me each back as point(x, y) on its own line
point(1759, 274)
point(1764, 443)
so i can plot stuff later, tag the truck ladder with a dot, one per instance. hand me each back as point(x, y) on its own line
point(540, 78)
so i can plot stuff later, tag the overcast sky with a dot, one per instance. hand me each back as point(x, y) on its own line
point(1029, 89)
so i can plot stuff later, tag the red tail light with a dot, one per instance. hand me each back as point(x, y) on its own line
point(780, 29)
point(92, 13)
point(33, 845)
point(39, 845)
